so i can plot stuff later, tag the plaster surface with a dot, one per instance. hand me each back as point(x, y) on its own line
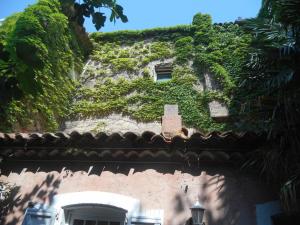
point(229, 197)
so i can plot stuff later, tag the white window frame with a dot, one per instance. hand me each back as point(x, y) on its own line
point(58, 211)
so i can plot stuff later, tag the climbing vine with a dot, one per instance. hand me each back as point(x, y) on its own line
point(42, 53)
point(143, 99)
point(120, 78)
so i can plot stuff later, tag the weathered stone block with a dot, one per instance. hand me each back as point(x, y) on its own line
point(171, 110)
point(218, 110)
point(171, 121)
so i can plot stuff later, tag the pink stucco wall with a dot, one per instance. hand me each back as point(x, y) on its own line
point(230, 197)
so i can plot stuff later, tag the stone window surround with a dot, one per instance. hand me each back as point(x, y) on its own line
point(61, 202)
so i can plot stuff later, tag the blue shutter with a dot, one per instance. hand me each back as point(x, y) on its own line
point(38, 215)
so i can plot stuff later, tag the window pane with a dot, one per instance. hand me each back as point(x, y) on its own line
point(78, 222)
point(102, 223)
point(139, 223)
point(164, 77)
point(114, 223)
point(90, 222)
point(40, 220)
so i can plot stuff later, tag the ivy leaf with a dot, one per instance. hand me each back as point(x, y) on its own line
point(116, 13)
point(98, 20)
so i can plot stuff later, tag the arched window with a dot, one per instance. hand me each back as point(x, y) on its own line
point(91, 214)
point(92, 208)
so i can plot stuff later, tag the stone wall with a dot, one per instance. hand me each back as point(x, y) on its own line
point(115, 123)
point(218, 110)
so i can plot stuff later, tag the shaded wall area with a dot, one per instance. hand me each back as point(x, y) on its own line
point(229, 196)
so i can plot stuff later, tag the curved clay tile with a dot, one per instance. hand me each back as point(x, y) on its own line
point(132, 155)
point(193, 156)
point(158, 141)
point(43, 153)
point(105, 154)
point(6, 152)
point(205, 155)
point(49, 137)
point(130, 136)
point(126, 143)
point(176, 155)
point(23, 136)
point(147, 135)
point(196, 140)
point(197, 135)
point(75, 136)
point(119, 154)
point(221, 156)
point(10, 136)
point(78, 154)
point(162, 155)
point(8, 139)
point(30, 153)
point(35, 139)
point(237, 157)
point(19, 153)
point(62, 135)
point(114, 140)
point(178, 142)
point(100, 139)
point(66, 154)
point(140, 142)
point(62, 140)
point(92, 154)
point(227, 146)
point(21, 139)
point(35, 136)
point(147, 154)
point(54, 153)
point(87, 140)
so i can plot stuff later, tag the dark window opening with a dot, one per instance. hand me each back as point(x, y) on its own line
point(164, 77)
point(163, 72)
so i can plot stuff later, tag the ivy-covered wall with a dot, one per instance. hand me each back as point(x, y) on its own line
point(39, 54)
point(119, 77)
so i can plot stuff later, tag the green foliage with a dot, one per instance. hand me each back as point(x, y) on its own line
point(42, 53)
point(184, 49)
point(203, 22)
point(123, 64)
point(223, 54)
point(131, 36)
point(222, 76)
point(42, 75)
point(143, 99)
point(130, 52)
point(77, 11)
point(269, 96)
point(114, 58)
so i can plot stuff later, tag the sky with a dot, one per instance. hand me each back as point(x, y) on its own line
point(144, 14)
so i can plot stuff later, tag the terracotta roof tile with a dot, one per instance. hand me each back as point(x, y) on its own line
point(214, 146)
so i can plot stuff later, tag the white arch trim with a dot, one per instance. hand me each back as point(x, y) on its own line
point(131, 205)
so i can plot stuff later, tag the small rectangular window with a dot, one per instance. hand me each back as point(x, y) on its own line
point(102, 223)
point(163, 77)
point(90, 222)
point(163, 72)
point(78, 222)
